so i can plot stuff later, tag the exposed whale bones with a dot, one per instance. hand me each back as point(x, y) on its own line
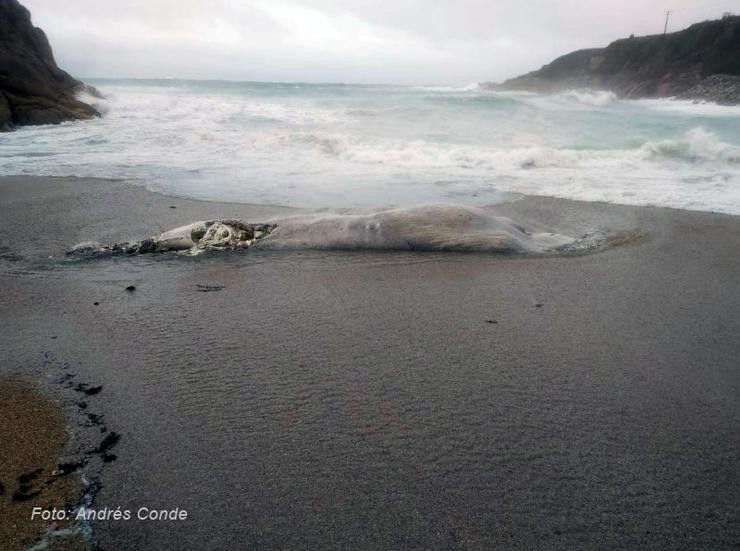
point(192, 238)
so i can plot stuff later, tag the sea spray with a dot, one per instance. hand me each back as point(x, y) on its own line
point(591, 98)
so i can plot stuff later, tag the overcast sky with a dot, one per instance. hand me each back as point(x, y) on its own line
point(369, 41)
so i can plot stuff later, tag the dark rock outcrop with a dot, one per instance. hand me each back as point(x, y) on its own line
point(33, 90)
point(722, 89)
point(700, 62)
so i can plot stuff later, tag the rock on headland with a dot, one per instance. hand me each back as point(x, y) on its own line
point(701, 62)
point(33, 90)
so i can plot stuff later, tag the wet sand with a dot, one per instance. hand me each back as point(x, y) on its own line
point(392, 399)
point(33, 437)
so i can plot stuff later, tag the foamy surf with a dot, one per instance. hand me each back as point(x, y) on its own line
point(592, 98)
point(354, 146)
point(697, 145)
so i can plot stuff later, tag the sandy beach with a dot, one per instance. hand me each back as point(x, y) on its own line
point(385, 399)
point(33, 436)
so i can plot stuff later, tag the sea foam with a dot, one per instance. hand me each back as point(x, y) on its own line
point(340, 146)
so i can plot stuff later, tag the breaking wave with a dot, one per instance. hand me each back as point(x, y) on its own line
point(355, 146)
point(472, 87)
point(593, 98)
point(697, 145)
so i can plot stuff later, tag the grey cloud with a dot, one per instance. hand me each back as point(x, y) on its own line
point(405, 41)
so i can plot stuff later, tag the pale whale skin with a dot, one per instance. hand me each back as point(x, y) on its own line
point(435, 227)
point(422, 228)
point(192, 239)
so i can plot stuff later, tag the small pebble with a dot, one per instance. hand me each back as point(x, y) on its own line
point(206, 288)
point(89, 391)
point(107, 443)
point(66, 468)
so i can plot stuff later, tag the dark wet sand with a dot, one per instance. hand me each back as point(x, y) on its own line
point(368, 400)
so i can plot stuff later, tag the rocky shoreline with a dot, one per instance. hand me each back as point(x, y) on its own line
point(699, 63)
point(33, 89)
point(721, 89)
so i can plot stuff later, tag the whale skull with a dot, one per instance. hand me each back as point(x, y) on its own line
point(191, 239)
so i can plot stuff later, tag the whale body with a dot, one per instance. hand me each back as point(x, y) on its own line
point(192, 239)
point(435, 227)
point(421, 228)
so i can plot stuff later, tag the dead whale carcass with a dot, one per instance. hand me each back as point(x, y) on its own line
point(192, 239)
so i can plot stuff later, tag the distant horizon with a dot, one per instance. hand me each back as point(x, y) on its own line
point(356, 83)
point(318, 83)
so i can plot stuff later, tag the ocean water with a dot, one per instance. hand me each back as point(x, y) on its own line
point(348, 146)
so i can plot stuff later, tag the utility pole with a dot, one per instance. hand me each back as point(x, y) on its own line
point(667, 15)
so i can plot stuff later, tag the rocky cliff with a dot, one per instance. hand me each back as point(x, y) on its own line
point(700, 62)
point(33, 90)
